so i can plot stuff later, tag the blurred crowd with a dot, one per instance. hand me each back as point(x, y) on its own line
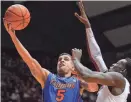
point(18, 85)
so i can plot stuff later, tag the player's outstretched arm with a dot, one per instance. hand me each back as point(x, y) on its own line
point(110, 78)
point(37, 71)
point(92, 46)
point(91, 87)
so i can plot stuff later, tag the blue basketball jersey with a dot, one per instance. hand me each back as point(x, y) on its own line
point(61, 89)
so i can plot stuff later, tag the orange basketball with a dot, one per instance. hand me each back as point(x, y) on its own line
point(18, 15)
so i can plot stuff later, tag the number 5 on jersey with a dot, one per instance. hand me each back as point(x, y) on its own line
point(60, 95)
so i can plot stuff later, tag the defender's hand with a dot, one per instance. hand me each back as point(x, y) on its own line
point(82, 17)
point(76, 54)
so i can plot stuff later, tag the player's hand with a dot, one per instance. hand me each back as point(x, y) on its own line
point(82, 17)
point(8, 27)
point(76, 54)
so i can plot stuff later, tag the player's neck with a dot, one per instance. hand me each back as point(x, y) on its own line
point(65, 75)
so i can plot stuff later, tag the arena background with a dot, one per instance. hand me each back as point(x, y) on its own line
point(54, 29)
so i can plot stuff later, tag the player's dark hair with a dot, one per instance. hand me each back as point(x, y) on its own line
point(64, 54)
point(128, 67)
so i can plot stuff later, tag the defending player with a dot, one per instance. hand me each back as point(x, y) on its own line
point(115, 85)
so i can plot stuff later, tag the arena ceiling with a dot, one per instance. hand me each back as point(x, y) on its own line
point(120, 35)
point(54, 29)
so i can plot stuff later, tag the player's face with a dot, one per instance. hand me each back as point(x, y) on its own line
point(119, 66)
point(65, 64)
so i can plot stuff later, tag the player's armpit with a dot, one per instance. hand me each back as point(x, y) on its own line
point(110, 78)
point(38, 72)
point(91, 87)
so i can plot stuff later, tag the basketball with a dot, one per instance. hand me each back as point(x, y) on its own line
point(18, 15)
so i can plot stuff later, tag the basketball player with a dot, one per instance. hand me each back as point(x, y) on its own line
point(56, 88)
point(115, 85)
